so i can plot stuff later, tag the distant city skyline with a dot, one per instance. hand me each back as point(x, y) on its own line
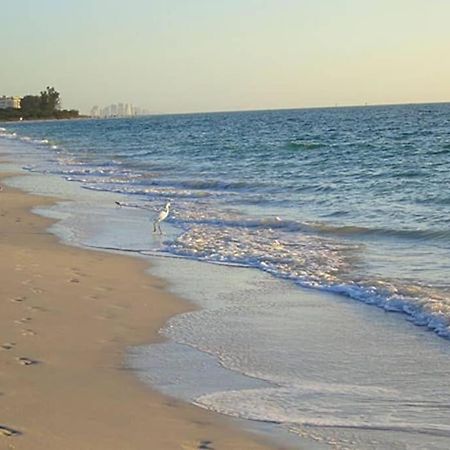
point(118, 110)
point(198, 56)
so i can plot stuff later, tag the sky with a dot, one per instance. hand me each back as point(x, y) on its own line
point(174, 56)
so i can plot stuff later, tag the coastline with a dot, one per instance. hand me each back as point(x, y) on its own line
point(50, 119)
point(67, 317)
point(298, 366)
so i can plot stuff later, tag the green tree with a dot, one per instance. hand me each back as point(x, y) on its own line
point(49, 101)
point(30, 106)
point(43, 106)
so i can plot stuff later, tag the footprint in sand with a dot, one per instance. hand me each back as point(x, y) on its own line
point(26, 361)
point(74, 280)
point(28, 332)
point(7, 345)
point(37, 308)
point(8, 431)
point(36, 291)
point(18, 299)
point(202, 445)
point(23, 320)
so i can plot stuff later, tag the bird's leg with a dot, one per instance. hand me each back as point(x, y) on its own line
point(159, 228)
point(154, 226)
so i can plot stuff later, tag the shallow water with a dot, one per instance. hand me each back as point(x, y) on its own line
point(379, 383)
point(347, 201)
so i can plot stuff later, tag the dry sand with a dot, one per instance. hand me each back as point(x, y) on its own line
point(66, 318)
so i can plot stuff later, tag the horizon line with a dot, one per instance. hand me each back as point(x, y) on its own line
point(368, 105)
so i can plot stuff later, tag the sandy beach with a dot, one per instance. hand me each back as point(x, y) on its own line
point(67, 316)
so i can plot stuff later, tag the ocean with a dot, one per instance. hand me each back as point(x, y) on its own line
point(324, 240)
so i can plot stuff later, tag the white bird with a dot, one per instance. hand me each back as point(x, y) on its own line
point(162, 216)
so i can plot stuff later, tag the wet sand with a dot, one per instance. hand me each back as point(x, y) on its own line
point(67, 316)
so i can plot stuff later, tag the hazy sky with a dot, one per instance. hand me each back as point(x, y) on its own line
point(209, 55)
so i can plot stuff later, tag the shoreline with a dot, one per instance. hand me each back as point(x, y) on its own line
point(67, 318)
point(304, 363)
point(50, 119)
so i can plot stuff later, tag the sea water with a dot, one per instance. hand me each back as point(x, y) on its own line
point(347, 201)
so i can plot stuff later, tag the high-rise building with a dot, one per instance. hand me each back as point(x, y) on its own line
point(117, 110)
point(95, 111)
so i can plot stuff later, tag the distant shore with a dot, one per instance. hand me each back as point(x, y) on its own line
point(46, 119)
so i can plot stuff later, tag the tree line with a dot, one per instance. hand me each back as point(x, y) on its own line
point(47, 105)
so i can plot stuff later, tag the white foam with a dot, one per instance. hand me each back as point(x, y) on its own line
point(338, 370)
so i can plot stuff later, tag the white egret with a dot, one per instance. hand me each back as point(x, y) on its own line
point(162, 216)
